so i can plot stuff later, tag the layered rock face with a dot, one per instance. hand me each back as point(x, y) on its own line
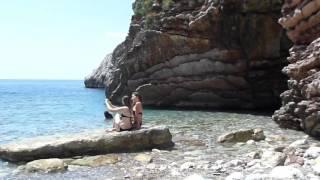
point(301, 103)
point(200, 53)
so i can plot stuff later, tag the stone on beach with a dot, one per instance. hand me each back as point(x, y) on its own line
point(312, 152)
point(187, 165)
point(143, 158)
point(88, 143)
point(273, 159)
point(242, 135)
point(45, 165)
point(95, 161)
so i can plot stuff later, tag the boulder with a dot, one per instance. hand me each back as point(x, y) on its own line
point(293, 159)
point(242, 135)
point(94, 142)
point(273, 159)
point(45, 165)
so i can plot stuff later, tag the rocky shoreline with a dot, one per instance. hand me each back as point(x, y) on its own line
point(273, 156)
point(197, 152)
point(298, 160)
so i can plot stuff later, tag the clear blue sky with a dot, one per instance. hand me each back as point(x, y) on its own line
point(59, 39)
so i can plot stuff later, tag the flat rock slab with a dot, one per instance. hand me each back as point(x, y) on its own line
point(87, 143)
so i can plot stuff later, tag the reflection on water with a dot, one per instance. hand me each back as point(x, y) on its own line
point(194, 133)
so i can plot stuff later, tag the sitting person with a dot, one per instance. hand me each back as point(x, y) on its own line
point(137, 109)
point(122, 121)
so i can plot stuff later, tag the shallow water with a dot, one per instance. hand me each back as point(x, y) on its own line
point(44, 108)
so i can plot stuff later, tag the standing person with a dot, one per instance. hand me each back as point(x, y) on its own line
point(137, 109)
point(122, 120)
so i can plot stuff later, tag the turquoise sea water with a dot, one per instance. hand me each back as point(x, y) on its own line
point(31, 108)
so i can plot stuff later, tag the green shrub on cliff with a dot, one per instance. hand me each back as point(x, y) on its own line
point(142, 7)
point(149, 10)
point(166, 4)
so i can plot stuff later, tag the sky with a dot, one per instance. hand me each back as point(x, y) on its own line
point(59, 39)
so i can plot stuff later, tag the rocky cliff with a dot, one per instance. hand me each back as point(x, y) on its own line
point(301, 103)
point(98, 77)
point(200, 53)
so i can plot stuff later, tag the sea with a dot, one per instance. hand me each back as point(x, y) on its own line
point(31, 108)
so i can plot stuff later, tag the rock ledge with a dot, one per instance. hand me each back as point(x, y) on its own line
point(88, 143)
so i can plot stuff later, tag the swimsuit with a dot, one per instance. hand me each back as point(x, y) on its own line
point(134, 113)
point(123, 122)
point(122, 115)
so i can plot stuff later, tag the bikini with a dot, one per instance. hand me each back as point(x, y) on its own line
point(122, 116)
point(140, 113)
point(135, 113)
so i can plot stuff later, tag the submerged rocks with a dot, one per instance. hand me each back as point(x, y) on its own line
point(91, 143)
point(242, 136)
point(95, 161)
point(218, 54)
